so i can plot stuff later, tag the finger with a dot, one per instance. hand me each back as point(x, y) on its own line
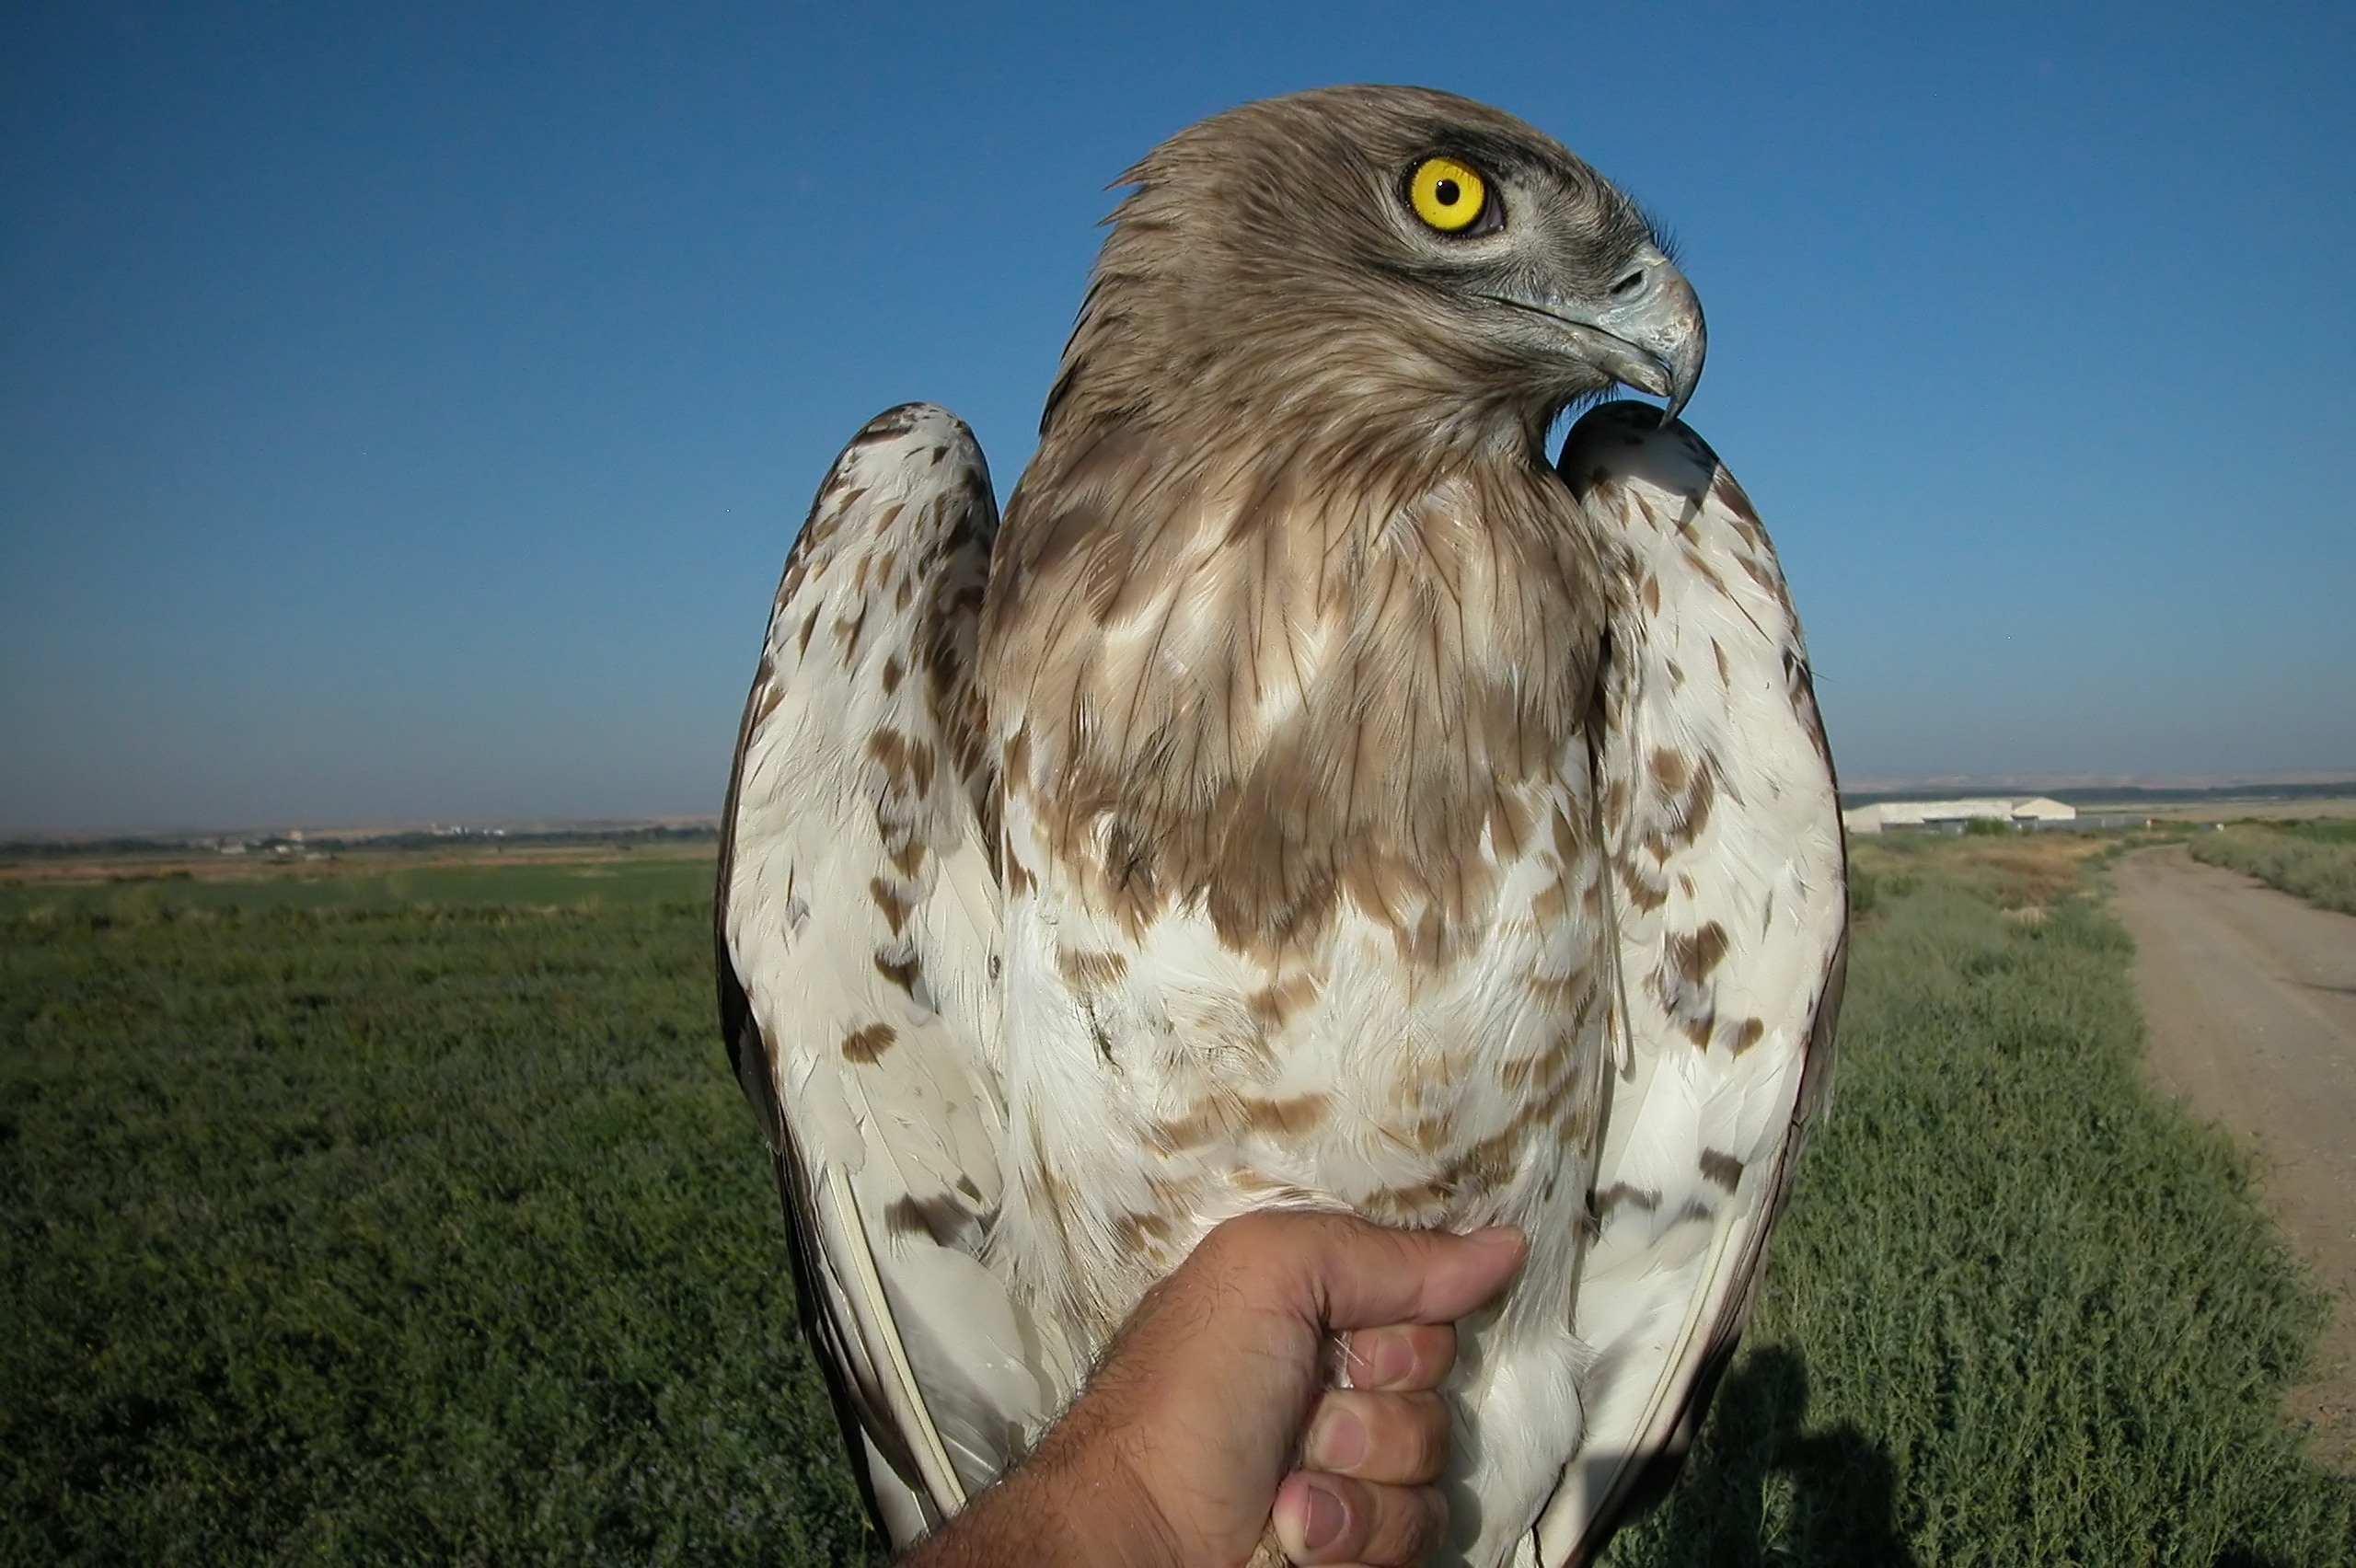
point(1331, 1518)
point(1373, 1277)
point(1397, 1439)
point(1348, 1273)
point(1398, 1356)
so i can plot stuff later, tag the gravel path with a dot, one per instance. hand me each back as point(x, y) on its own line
point(2249, 996)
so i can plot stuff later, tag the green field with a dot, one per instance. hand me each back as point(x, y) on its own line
point(2316, 860)
point(369, 1231)
point(383, 882)
point(360, 1235)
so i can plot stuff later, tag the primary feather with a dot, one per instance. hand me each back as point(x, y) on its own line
point(1326, 803)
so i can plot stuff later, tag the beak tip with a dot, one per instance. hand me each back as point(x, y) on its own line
point(1688, 348)
point(1679, 393)
point(1684, 375)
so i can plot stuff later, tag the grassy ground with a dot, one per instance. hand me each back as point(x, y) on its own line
point(2316, 860)
point(361, 1234)
point(368, 1236)
point(2021, 1310)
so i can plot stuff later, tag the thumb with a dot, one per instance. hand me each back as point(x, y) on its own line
point(1366, 1275)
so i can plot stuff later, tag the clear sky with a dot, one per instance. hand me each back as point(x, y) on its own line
point(405, 410)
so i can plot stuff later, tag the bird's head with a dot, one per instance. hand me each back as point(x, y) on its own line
point(1386, 252)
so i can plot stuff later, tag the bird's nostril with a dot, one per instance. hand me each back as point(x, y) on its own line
point(1628, 284)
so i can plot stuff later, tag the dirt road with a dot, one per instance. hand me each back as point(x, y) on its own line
point(2250, 998)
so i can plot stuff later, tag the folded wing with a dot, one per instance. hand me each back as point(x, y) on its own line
point(1728, 889)
point(857, 919)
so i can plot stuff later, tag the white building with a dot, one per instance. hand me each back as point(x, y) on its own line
point(1950, 816)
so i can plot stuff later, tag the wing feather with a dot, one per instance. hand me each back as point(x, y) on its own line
point(857, 920)
point(1727, 888)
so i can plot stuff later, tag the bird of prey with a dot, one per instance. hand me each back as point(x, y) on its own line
point(1310, 796)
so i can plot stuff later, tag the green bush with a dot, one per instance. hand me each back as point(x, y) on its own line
point(2021, 1310)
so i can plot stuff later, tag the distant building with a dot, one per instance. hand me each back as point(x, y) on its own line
point(1949, 817)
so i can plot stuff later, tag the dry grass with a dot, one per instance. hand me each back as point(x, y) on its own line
point(2316, 860)
point(2017, 872)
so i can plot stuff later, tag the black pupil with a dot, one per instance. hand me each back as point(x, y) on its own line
point(1446, 192)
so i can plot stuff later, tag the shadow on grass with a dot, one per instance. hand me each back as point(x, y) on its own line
point(1758, 1490)
point(1760, 1493)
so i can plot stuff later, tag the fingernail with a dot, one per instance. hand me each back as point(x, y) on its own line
point(1496, 1236)
point(1326, 1518)
point(1394, 1362)
point(1339, 1441)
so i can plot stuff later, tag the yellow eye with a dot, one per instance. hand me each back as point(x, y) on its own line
point(1447, 195)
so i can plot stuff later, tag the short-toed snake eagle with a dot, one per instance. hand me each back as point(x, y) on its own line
point(1311, 795)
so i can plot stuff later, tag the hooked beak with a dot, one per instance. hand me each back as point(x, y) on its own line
point(1647, 331)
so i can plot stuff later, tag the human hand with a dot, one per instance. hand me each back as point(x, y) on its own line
point(1177, 1455)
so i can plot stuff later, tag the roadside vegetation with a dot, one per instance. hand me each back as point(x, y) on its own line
point(384, 1232)
point(2021, 1310)
point(2317, 860)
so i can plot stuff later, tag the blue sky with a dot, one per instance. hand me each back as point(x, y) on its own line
point(404, 411)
